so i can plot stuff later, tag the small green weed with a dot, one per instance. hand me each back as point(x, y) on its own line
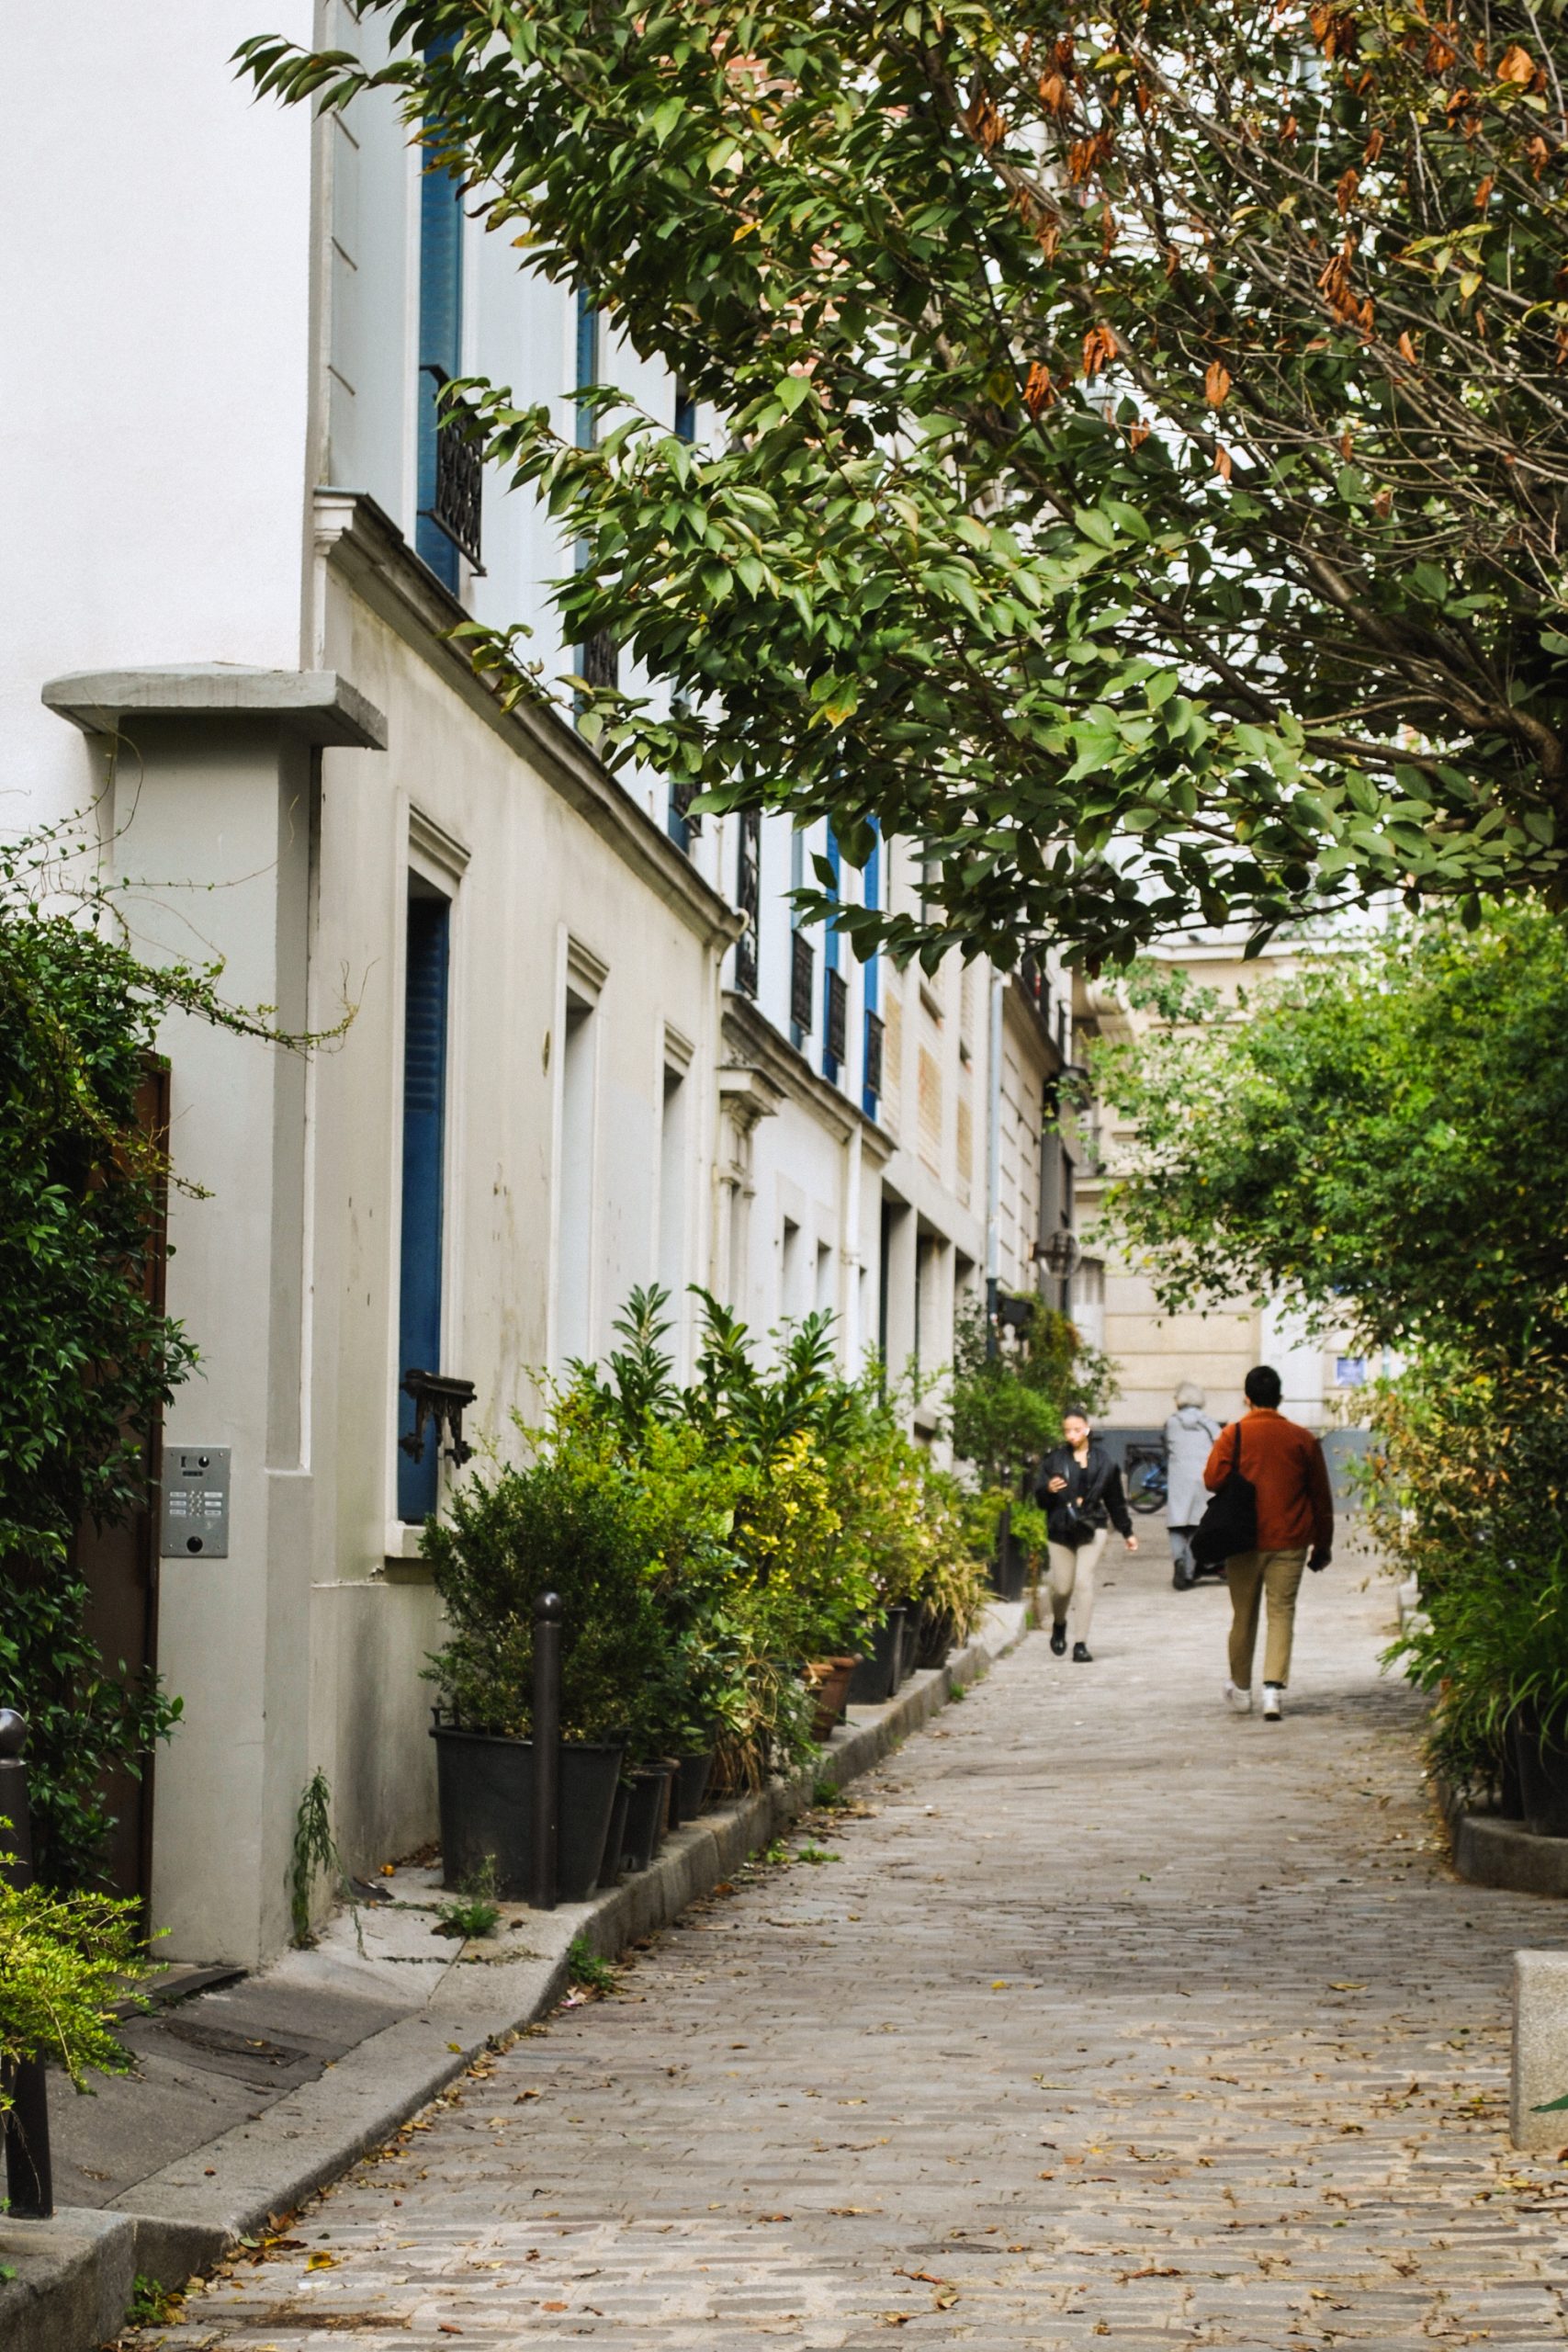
point(315, 1849)
point(586, 1970)
point(828, 1797)
point(776, 1853)
point(957, 1695)
point(152, 2305)
point(7, 2272)
point(469, 1914)
point(476, 1912)
point(812, 1853)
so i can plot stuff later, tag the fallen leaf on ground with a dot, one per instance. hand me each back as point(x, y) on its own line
point(320, 2262)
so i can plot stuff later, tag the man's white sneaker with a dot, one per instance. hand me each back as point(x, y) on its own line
point(1238, 1701)
point(1272, 1702)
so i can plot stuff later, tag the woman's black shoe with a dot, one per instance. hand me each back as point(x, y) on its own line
point(1058, 1640)
point(1183, 1581)
point(1080, 1653)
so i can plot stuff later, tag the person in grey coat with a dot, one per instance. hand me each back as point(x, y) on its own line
point(1189, 1434)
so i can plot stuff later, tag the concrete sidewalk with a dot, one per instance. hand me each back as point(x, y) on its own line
point(254, 2095)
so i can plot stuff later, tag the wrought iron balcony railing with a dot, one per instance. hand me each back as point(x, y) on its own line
point(459, 477)
point(837, 1023)
point(873, 1032)
point(802, 968)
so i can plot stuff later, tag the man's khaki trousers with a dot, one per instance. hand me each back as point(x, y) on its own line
point(1250, 1576)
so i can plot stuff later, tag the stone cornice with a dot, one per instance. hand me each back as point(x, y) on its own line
point(315, 703)
point(750, 1042)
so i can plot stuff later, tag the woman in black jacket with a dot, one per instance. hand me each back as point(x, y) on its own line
point(1079, 1488)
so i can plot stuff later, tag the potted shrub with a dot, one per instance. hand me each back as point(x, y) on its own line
point(66, 1962)
point(568, 1520)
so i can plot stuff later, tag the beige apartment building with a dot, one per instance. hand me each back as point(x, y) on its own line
point(1114, 1299)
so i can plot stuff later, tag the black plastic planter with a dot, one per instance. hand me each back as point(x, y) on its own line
point(644, 1815)
point(876, 1679)
point(1543, 1759)
point(1009, 1564)
point(691, 1785)
point(610, 1863)
point(485, 1791)
point(933, 1637)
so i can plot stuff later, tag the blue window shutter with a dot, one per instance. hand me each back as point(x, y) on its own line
point(424, 1128)
point(830, 970)
point(870, 982)
point(587, 368)
point(440, 341)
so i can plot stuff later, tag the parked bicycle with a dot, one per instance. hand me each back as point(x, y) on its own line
point(1146, 1478)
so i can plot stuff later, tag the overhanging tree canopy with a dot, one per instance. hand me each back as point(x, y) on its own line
point(1378, 1139)
point(1143, 441)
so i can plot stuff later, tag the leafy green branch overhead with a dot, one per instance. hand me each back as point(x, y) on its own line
point(1378, 1139)
point(1140, 448)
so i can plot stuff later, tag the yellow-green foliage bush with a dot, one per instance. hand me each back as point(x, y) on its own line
point(65, 1959)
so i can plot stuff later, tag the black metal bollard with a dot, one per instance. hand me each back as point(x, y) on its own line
point(547, 1747)
point(29, 2176)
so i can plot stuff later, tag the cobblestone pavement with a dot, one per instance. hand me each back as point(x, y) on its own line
point(1110, 2017)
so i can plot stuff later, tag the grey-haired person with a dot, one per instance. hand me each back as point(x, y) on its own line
point(1189, 1434)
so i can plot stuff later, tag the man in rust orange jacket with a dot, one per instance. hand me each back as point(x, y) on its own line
point(1295, 1530)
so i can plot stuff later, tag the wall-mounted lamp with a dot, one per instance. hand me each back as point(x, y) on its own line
point(1058, 1253)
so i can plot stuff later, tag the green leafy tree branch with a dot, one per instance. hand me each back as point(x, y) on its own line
point(1140, 439)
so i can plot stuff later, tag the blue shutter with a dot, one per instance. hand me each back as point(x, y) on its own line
point(587, 368)
point(440, 341)
point(872, 1062)
point(831, 973)
point(425, 1127)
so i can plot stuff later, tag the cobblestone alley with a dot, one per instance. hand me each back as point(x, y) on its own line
point(1109, 2016)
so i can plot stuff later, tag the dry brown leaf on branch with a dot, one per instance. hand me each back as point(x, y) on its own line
point(1216, 383)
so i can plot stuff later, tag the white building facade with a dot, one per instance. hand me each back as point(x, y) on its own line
point(571, 1042)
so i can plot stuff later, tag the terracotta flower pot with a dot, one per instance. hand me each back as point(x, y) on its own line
point(828, 1678)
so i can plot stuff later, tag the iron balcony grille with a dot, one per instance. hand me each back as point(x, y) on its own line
point(598, 665)
point(874, 1053)
point(802, 965)
point(459, 477)
point(838, 1020)
point(747, 865)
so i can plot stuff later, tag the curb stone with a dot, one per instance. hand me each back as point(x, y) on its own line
point(74, 2274)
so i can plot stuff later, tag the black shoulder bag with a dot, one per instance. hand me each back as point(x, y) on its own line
point(1230, 1523)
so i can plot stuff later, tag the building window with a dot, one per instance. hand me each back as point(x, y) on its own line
point(598, 663)
point(802, 971)
point(871, 1064)
point(423, 1188)
point(673, 1189)
point(440, 352)
point(835, 991)
point(747, 864)
point(574, 1227)
point(680, 825)
point(789, 1272)
point(587, 370)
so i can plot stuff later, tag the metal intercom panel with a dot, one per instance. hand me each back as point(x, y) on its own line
point(196, 1502)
